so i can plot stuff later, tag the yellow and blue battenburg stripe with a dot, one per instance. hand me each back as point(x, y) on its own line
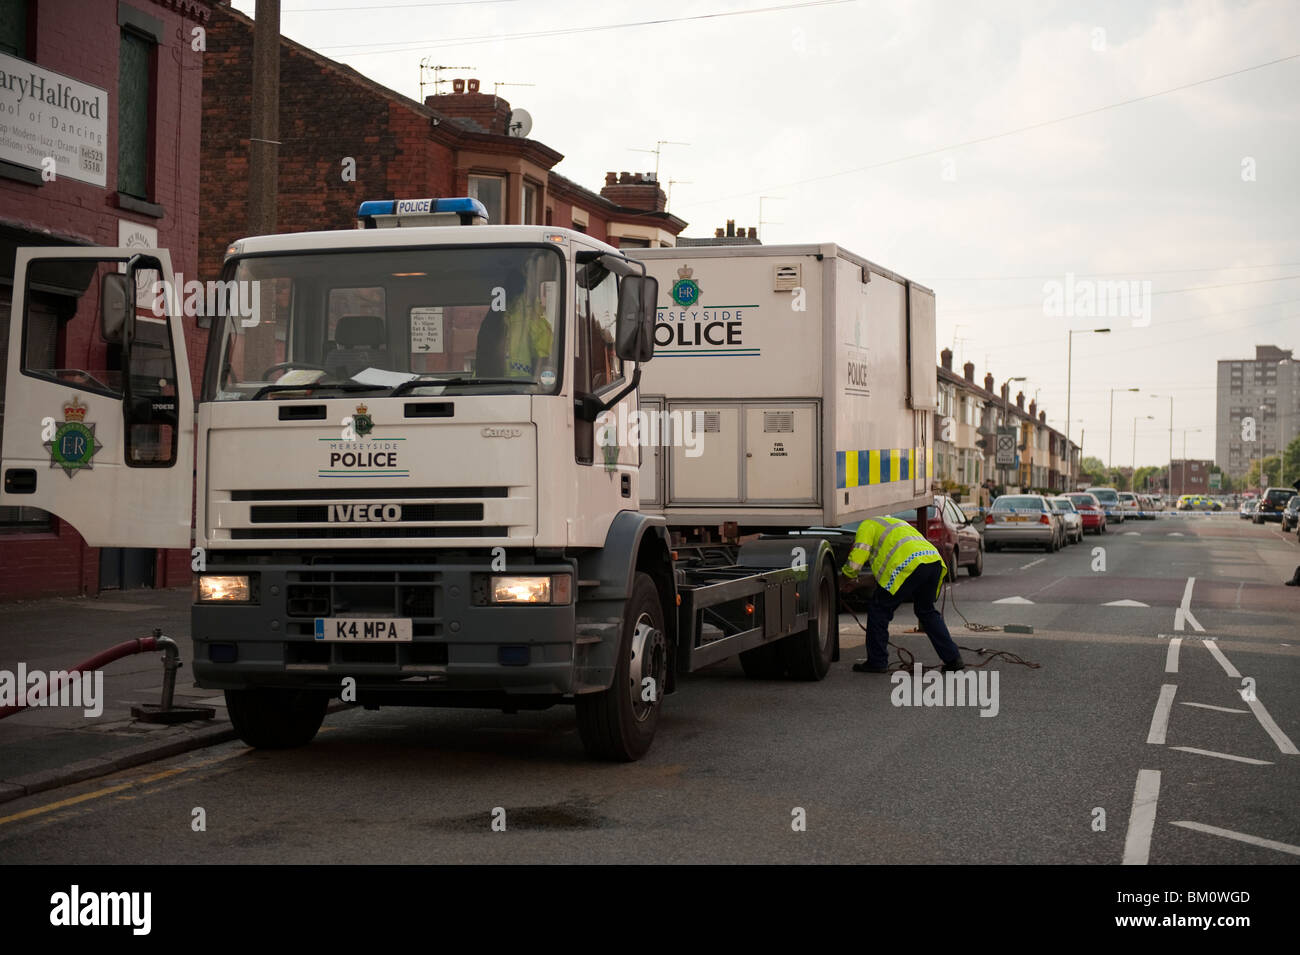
point(863, 468)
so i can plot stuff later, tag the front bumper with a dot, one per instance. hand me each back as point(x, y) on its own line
point(459, 647)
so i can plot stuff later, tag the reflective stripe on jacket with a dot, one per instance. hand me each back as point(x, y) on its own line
point(891, 549)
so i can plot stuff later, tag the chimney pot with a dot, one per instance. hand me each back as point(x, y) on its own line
point(471, 86)
point(1033, 408)
point(458, 86)
point(611, 179)
point(719, 233)
point(945, 358)
point(968, 370)
point(753, 232)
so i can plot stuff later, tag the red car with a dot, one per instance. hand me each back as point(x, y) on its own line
point(1090, 509)
point(952, 533)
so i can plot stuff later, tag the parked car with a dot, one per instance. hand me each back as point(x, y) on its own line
point(1148, 506)
point(1090, 511)
point(1110, 503)
point(954, 535)
point(1272, 503)
point(1129, 502)
point(1023, 520)
point(1070, 517)
point(1291, 514)
point(1248, 508)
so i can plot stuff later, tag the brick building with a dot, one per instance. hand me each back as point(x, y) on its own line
point(99, 145)
point(345, 138)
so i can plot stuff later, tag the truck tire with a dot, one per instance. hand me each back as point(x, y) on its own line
point(807, 655)
point(274, 718)
point(618, 724)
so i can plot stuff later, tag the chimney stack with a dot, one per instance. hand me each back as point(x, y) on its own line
point(1042, 417)
point(753, 232)
point(969, 370)
point(988, 383)
point(1020, 400)
point(1033, 408)
point(945, 358)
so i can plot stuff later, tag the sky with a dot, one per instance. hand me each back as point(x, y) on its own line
point(1009, 155)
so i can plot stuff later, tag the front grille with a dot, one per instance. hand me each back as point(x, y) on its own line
point(364, 593)
point(323, 513)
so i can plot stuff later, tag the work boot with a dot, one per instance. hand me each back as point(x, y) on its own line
point(862, 666)
point(1295, 578)
point(958, 664)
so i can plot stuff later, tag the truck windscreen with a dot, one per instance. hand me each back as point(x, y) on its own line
point(429, 320)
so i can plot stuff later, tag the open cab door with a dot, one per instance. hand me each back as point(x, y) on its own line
point(98, 408)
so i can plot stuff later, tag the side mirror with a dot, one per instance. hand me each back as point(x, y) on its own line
point(638, 298)
point(113, 306)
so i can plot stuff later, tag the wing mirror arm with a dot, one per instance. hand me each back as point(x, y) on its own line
point(588, 407)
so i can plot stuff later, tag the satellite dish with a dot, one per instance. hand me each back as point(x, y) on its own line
point(521, 124)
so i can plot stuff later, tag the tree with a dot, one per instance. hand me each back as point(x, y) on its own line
point(1147, 476)
point(1291, 463)
point(1272, 467)
point(1091, 470)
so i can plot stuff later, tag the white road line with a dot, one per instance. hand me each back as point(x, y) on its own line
point(1013, 600)
point(1281, 739)
point(1184, 612)
point(1171, 658)
point(1207, 706)
point(1210, 752)
point(1160, 718)
point(1228, 668)
point(1032, 563)
point(1239, 836)
point(1142, 818)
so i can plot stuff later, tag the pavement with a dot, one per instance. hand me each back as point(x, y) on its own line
point(50, 746)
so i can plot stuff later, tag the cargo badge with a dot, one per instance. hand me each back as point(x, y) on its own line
point(362, 423)
point(686, 291)
point(73, 446)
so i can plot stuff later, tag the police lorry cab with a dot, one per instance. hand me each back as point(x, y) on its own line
point(436, 464)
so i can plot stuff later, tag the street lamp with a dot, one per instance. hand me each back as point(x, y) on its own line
point(1169, 486)
point(1110, 443)
point(1069, 370)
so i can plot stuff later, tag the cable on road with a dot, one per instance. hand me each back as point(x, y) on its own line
point(906, 659)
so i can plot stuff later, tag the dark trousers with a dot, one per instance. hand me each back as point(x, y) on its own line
point(919, 588)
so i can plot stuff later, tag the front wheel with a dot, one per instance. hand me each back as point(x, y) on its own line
point(618, 724)
point(807, 655)
point(274, 718)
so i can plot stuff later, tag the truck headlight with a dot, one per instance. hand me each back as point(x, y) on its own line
point(531, 590)
point(213, 588)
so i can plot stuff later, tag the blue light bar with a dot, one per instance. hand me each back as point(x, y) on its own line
point(466, 207)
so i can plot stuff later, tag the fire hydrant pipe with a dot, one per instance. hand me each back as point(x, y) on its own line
point(99, 660)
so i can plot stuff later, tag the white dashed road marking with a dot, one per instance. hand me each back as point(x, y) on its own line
point(1215, 652)
point(1207, 706)
point(1160, 718)
point(1184, 612)
point(1142, 818)
point(1210, 752)
point(1171, 658)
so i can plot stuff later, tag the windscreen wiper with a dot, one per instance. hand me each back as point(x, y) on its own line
point(424, 380)
point(315, 386)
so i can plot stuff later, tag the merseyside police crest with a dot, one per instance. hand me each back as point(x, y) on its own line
point(362, 423)
point(686, 291)
point(73, 446)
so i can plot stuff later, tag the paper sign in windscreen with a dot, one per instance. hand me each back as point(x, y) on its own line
point(426, 330)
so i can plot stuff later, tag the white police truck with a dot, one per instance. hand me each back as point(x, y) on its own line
point(415, 483)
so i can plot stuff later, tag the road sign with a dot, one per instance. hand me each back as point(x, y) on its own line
point(1216, 480)
point(1006, 447)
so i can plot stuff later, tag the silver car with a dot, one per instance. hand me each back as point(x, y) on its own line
point(1026, 520)
point(1070, 517)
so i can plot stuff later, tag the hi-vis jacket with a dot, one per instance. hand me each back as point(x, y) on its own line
point(891, 549)
point(528, 338)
